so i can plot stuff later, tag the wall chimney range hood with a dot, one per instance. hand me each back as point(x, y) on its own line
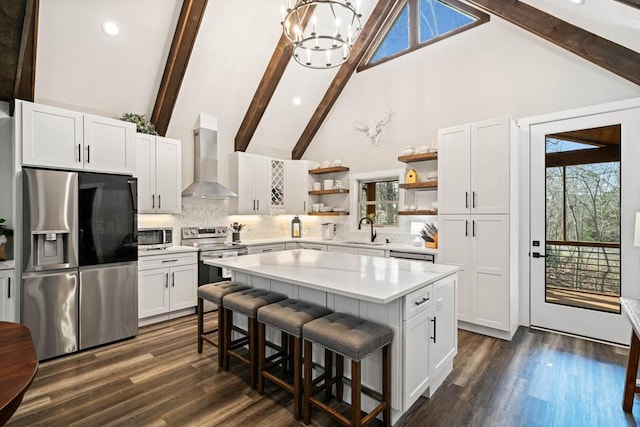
point(205, 172)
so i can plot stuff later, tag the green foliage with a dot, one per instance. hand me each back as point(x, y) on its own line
point(4, 231)
point(142, 125)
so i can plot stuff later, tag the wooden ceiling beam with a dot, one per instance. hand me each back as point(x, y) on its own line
point(26, 70)
point(270, 79)
point(595, 49)
point(182, 44)
point(380, 14)
point(583, 157)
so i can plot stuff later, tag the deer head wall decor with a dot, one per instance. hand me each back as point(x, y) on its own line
point(373, 132)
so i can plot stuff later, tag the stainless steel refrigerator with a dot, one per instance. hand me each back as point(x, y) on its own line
point(80, 259)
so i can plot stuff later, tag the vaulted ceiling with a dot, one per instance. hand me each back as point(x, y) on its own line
point(175, 59)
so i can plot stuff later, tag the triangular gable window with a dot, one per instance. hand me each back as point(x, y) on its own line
point(420, 23)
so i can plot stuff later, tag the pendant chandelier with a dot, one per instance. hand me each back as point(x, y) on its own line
point(325, 40)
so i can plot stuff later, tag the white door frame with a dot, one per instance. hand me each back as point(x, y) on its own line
point(630, 255)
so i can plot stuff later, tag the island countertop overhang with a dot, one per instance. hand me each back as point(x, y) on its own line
point(367, 278)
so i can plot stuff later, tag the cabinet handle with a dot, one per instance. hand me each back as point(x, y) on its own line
point(473, 201)
point(466, 199)
point(88, 154)
point(9, 288)
point(434, 320)
point(466, 227)
point(79, 153)
point(166, 280)
point(159, 201)
point(169, 260)
point(254, 204)
point(258, 203)
point(267, 250)
point(422, 301)
point(473, 228)
point(173, 279)
point(304, 206)
point(153, 201)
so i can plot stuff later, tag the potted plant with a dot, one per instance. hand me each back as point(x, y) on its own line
point(429, 234)
point(5, 233)
point(142, 125)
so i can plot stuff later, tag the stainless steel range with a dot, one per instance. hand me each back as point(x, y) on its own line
point(211, 242)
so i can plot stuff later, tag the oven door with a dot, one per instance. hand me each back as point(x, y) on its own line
point(212, 274)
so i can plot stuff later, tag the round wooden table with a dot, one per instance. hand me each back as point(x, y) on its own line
point(18, 366)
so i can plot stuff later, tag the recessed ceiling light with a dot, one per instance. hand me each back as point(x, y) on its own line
point(577, 1)
point(110, 28)
point(297, 101)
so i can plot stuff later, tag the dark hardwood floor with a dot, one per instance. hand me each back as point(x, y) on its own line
point(159, 379)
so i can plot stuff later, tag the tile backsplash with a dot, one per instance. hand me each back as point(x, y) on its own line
point(201, 212)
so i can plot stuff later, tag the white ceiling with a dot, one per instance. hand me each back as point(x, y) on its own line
point(81, 68)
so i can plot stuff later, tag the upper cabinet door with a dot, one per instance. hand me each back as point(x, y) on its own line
point(146, 172)
point(262, 184)
point(490, 166)
point(168, 175)
point(109, 145)
point(454, 163)
point(51, 137)
point(297, 187)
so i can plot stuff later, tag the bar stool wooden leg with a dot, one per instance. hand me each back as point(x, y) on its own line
point(632, 373)
point(200, 323)
point(261, 356)
point(356, 393)
point(220, 335)
point(339, 376)
point(253, 344)
point(386, 384)
point(308, 381)
point(228, 325)
point(328, 371)
point(297, 364)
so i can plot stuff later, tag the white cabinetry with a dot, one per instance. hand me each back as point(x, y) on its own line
point(296, 189)
point(260, 249)
point(159, 174)
point(167, 286)
point(7, 296)
point(59, 138)
point(444, 335)
point(251, 181)
point(316, 247)
point(341, 249)
point(478, 207)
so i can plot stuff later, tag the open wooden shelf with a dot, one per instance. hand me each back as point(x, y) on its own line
point(424, 212)
point(332, 191)
point(431, 185)
point(419, 157)
point(330, 169)
point(329, 213)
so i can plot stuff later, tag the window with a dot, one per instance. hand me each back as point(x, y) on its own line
point(379, 201)
point(377, 195)
point(420, 23)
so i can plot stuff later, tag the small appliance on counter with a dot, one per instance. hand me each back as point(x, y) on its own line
point(328, 230)
point(155, 238)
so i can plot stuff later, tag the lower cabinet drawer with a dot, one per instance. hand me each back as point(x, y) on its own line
point(418, 301)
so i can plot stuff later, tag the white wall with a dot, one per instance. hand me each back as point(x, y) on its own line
point(493, 70)
point(6, 164)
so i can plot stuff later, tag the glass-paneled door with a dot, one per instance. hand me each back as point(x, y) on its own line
point(576, 224)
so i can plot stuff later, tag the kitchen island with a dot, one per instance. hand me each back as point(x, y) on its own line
point(416, 299)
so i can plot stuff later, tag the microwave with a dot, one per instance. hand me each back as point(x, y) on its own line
point(155, 238)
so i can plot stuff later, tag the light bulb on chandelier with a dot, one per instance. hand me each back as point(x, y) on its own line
point(322, 31)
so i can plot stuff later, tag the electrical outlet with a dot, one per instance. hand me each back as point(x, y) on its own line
point(440, 304)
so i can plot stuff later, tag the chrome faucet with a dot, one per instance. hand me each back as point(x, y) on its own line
point(373, 233)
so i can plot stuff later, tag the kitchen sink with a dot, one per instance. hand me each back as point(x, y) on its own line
point(364, 243)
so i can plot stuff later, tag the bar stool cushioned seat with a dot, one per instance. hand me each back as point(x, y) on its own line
point(355, 338)
point(246, 302)
point(288, 316)
point(214, 292)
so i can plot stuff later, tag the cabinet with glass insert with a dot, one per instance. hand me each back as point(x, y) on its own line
point(334, 174)
point(420, 180)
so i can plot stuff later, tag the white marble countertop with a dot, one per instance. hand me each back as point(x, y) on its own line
point(368, 278)
point(7, 265)
point(171, 250)
point(378, 245)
